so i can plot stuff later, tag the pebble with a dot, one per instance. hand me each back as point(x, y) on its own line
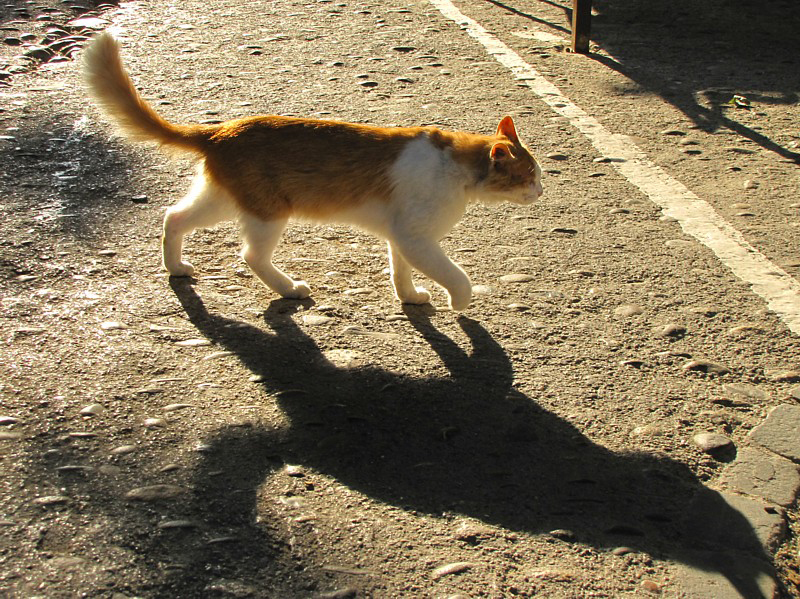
point(712, 442)
point(745, 328)
point(564, 230)
point(368, 84)
point(359, 291)
point(679, 243)
point(783, 376)
point(193, 343)
point(113, 325)
point(315, 320)
point(8, 420)
point(82, 435)
point(454, 568)
point(218, 354)
point(619, 211)
point(563, 534)
point(745, 391)
point(361, 332)
point(671, 330)
point(517, 278)
point(556, 156)
point(706, 366)
point(155, 492)
point(344, 593)
point(123, 449)
point(177, 406)
point(675, 132)
point(622, 550)
point(518, 307)
point(651, 587)
point(51, 500)
point(628, 310)
point(73, 468)
point(167, 524)
point(750, 184)
point(92, 410)
point(154, 422)
point(295, 471)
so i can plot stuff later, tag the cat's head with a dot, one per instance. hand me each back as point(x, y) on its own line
point(514, 175)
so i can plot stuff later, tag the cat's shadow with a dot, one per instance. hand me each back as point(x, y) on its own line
point(468, 444)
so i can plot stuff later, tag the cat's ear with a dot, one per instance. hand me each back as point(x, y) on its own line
point(501, 151)
point(506, 127)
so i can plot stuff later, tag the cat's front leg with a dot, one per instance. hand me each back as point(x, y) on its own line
point(403, 284)
point(428, 257)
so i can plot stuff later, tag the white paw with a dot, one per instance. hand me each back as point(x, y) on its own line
point(182, 269)
point(420, 296)
point(460, 303)
point(300, 290)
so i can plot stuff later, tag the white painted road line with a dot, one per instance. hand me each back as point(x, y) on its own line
point(696, 216)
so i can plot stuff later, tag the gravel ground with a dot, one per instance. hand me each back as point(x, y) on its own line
point(201, 438)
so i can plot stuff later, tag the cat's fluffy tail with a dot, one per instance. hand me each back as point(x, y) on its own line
point(117, 96)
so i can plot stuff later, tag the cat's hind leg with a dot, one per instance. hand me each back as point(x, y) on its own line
point(404, 287)
point(205, 205)
point(428, 257)
point(260, 239)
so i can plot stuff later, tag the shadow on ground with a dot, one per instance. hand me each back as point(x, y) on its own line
point(697, 54)
point(467, 444)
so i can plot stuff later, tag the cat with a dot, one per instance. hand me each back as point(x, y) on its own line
point(408, 185)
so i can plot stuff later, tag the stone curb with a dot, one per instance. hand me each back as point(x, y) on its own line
point(760, 484)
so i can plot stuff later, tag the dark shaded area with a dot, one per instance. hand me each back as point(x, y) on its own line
point(19, 10)
point(696, 54)
point(467, 444)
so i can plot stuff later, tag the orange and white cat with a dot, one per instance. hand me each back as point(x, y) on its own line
point(409, 185)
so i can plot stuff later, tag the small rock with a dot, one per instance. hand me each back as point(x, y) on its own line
point(622, 550)
point(8, 420)
point(359, 291)
point(92, 410)
point(154, 422)
point(155, 493)
point(783, 376)
point(706, 366)
point(173, 407)
point(295, 471)
point(123, 449)
point(564, 230)
point(628, 310)
point(563, 534)
point(167, 524)
point(193, 343)
point(556, 156)
point(315, 320)
point(651, 587)
point(672, 330)
point(454, 568)
point(518, 307)
point(744, 391)
point(517, 278)
point(712, 443)
point(750, 184)
point(51, 500)
point(675, 132)
point(113, 325)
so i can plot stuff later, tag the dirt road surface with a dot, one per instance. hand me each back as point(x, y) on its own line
point(615, 415)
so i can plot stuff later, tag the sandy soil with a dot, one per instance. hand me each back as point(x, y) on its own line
point(201, 438)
